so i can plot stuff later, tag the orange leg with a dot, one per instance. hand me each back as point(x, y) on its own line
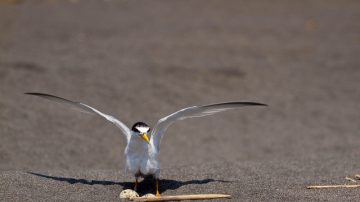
point(157, 188)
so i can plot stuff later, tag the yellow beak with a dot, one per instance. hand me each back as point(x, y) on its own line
point(145, 138)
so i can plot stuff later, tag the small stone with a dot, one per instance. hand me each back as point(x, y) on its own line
point(148, 195)
point(128, 193)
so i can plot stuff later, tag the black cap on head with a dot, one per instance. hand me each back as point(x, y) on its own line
point(139, 124)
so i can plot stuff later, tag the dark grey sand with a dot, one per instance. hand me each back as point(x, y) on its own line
point(141, 60)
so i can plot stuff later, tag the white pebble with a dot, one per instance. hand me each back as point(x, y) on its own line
point(148, 195)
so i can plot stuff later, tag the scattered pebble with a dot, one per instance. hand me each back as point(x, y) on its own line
point(350, 179)
point(128, 193)
point(148, 195)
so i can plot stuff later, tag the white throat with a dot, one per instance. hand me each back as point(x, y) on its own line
point(143, 129)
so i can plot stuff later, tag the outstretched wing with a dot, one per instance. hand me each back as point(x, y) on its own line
point(87, 109)
point(196, 111)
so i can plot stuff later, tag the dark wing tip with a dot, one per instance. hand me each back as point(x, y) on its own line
point(33, 93)
point(235, 104)
point(255, 104)
point(50, 97)
point(42, 94)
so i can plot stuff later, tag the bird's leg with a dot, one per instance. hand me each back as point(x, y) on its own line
point(136, 184)
point(157, 188)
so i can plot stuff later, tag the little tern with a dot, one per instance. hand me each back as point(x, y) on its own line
point(143, 143)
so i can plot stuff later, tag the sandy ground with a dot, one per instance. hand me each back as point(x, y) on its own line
point(142, 60)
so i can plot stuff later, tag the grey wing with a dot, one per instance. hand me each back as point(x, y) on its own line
point(196, 111)
point(87, 109)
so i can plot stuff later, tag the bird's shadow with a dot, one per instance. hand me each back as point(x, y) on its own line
point(144, 187)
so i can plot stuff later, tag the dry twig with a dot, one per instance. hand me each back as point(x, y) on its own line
point(182, 197)
point(350, 179)
point(334, 186)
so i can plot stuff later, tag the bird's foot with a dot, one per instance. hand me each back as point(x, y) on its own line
point(157, 188)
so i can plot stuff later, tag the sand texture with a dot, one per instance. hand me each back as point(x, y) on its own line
point(142, 60)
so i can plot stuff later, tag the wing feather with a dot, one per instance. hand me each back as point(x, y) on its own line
point(86, 109)
point(191, 112)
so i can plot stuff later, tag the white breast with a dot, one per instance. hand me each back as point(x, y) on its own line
point(141, 157)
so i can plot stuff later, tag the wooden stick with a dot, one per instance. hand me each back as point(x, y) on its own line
point(334, 186)
point(182, 197)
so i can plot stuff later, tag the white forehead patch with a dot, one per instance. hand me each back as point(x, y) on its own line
point(142, 129)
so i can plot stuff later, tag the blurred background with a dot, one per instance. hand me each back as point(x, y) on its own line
point(142, 60)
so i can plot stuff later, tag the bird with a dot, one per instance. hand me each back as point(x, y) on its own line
point(143, 142)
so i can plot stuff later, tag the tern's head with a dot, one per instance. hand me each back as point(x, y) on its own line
point(141, 129)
